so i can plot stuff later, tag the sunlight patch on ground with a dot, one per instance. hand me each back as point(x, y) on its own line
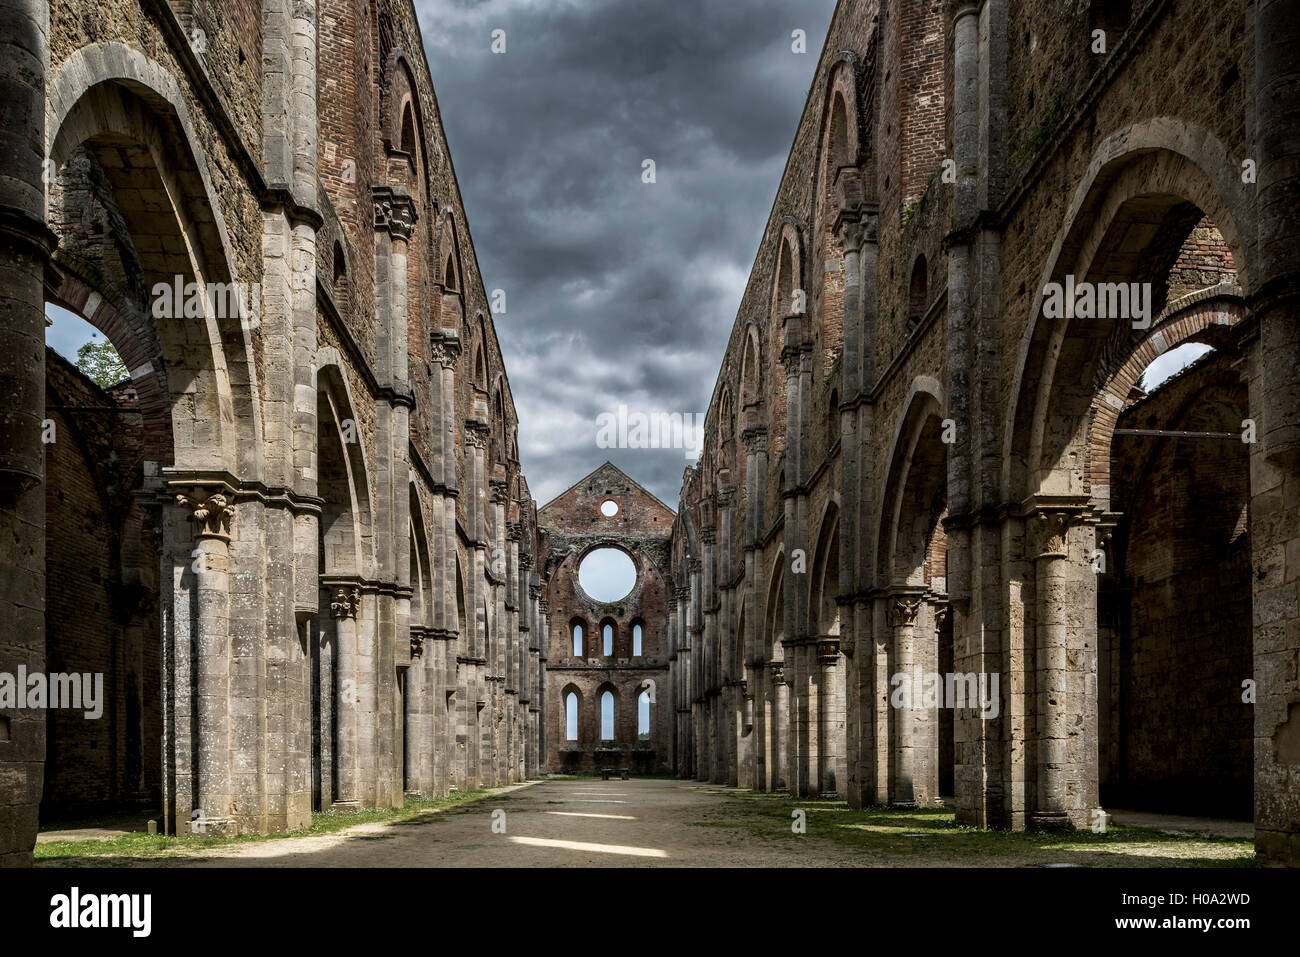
point(1172, 849)
point(623, 849)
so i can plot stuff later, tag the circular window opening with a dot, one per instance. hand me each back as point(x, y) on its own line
point(609, 508)
point(607, 574)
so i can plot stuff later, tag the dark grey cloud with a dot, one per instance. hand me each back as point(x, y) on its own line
point(618, 291)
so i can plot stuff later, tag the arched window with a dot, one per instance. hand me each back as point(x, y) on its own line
point(571, 717)
point(607, 636)
point(480, 368)
point(832, 419)
point(917, 295)
point(1111, 16)
point(408, 131)
point(577, 640)
point(636, 640)
point(607, 716)
point(340, 263)
point(643, 716)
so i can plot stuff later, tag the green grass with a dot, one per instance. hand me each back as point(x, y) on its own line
point(136, 846)
point(889, 836)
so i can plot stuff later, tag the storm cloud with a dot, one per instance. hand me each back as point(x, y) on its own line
point(618, 291)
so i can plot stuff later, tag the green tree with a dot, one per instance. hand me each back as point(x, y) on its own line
point(100, 362)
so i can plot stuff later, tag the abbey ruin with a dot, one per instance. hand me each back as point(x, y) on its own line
point(298, 545)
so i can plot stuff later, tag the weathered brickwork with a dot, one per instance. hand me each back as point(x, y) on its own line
point(952, 508)
point(1174, 609)
point(574, 526)
point(320, 454)
point(318, 519)
point(95, 622)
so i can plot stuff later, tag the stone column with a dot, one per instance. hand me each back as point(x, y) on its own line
point(830, 716)
point(415, 746)
point(210, 509)
point(903, 612)
point(347, 702)
point(25, 246)
point(780, 774)
point(1273, 128)
point(1052, 691)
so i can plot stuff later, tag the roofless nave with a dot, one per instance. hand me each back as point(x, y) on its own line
point(312, 573)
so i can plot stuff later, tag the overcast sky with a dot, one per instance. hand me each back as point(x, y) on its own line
point(617, 291)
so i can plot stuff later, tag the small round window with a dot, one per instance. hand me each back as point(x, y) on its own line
point(609, 508)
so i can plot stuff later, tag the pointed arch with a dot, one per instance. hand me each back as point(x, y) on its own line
point(115, 102)
point(1135, 163)
point(421, 564)
point(347, 523)
point(774, 626)
point(823, 611)
point(916, 474)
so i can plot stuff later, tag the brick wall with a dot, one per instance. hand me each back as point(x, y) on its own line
point(1179, 603)
point(92, 596)
point(641, 527)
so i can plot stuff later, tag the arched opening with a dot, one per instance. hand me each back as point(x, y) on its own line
point(917, 297)
point(1174, 598)
point(776, 702)
point(1110, 16)
point(571, 717)
point(408, 131)
point(637, 632)
point(913, 553)
point(1082, 432)
point(643, 716)
point(449, 282)
point(578, 633)
point(141, 258)
point(104, 745)
point(607, 717)
point(607, 639)
point(338, 659)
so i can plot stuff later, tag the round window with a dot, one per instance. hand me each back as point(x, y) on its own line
point(607, 574)
point(609, 508)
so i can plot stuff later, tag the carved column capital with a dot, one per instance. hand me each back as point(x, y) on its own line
point(417, 646)
point(500, 493)
point(852, 232)
point(475, 436)
point(1053, 528)
point(394, 212)
point(346, 603)
point(443, 354)
point(211, 511)
point(903, 609)
point(777, 668)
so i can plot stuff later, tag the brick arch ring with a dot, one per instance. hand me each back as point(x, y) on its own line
point(1202, 316)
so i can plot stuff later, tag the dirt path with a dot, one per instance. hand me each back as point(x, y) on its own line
point(671, 823)
point(639, 823)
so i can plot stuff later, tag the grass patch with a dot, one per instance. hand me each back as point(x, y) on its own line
point(897, 837)
point(138, 845)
